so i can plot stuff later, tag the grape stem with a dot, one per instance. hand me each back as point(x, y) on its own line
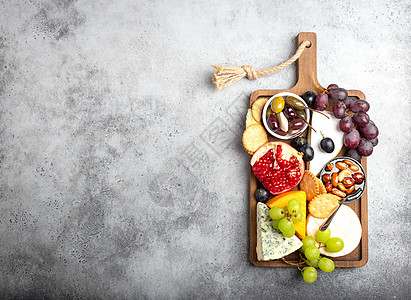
point(302, 258)
point(308, 124)
point(300, 263)
point(317, 84)
point(318, 112)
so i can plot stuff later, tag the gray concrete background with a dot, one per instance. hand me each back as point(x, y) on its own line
point(104, 105)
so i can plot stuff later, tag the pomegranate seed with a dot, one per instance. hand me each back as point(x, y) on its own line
point(279, 148)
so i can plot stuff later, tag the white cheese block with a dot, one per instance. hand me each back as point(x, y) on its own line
point(271, 243)
point(345, 225)
point(329, 127)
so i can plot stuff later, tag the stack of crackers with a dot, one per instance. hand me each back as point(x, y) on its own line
point(255, 135)
point(321, 205)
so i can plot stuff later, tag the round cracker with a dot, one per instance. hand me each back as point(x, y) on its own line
point(321, 206)
point(254, 137)
point(309, 185)
point(257, 108)
point(249, 120)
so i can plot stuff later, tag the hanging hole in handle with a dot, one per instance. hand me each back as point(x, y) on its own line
point(309, 45)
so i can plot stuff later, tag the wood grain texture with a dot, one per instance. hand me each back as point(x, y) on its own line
point(307, 75)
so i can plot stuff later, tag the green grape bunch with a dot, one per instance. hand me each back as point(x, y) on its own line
point(284, 218)
point(313, 259)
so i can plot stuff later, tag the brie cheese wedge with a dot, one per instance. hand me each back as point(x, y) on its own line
point(329, 127)
point(345, 225)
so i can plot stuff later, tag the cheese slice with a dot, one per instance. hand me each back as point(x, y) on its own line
point(329, 127)
point(271, 243)
point(345, 225)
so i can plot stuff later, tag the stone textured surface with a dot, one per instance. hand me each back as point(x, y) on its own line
point(122, 173)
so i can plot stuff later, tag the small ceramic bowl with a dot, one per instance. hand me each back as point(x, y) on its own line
point(287, 136)
point(359, 187)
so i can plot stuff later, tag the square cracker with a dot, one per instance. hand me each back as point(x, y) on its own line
point(323, 205)
point(321, 186)
point(309, 185)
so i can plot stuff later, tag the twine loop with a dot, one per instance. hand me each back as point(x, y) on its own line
point(226, 76)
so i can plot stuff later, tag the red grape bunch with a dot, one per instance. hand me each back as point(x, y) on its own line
point(361, 140)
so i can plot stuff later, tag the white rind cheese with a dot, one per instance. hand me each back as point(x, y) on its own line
point(345, 225)
point(329, 127)
point(271, 243)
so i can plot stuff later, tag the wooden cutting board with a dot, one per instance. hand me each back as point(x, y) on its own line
point(307, 75)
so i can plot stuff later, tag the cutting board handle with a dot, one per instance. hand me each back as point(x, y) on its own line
point(307, 62)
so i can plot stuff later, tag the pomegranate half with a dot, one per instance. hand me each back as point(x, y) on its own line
point(278, 166)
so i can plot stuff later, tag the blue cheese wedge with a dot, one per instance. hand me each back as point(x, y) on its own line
point(263, 213)
point(329, 127)
point(271, 243)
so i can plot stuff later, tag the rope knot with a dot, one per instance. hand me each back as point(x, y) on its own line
point(250, 72)
point(226, 76)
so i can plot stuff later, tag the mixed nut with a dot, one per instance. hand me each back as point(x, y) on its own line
point(340, 177)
